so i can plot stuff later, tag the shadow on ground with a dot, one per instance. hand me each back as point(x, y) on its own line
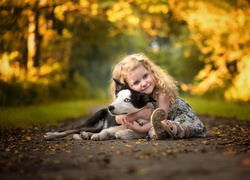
point(224, 154)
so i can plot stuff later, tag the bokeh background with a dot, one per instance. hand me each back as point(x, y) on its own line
point(56, 50)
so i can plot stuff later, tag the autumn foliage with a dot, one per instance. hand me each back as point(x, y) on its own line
point(64, 45)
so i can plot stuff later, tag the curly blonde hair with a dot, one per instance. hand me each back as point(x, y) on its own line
point(164, 83)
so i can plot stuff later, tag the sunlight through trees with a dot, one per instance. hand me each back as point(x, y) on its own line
point(60, 44)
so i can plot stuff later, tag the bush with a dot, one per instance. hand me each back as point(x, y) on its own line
point(29, 93)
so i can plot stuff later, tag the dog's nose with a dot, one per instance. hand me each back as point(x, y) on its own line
point(110, 108)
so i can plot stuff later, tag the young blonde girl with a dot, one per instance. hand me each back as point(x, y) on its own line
point(171, 116)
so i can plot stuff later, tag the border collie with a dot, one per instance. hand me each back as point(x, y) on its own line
point(102, 125)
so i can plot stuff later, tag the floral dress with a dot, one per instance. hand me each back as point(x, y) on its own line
point(181, 112)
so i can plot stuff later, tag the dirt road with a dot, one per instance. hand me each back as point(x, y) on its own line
point(224, 154)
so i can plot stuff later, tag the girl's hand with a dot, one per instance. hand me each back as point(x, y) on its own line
point(145, 113)
point(131, 125)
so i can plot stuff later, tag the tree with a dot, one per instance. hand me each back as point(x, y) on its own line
point(219, 29)
point(55, 41)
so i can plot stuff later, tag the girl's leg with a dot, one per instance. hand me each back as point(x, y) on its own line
point(185, 126)
point(175, 129)
point(157, 131)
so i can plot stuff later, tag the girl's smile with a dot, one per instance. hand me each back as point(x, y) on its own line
point(141, 80)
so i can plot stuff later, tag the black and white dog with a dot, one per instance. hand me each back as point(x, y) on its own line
point(102, 125)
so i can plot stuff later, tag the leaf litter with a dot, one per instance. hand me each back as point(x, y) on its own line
point(25, 148)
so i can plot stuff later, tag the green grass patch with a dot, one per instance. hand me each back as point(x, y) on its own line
point(219, 108)
point(23, 117)
point(51, 114)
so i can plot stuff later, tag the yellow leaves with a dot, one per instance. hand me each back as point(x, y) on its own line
point(128, 145)
point(205, 142)
point(119, 11)
point(212, 79)
point(240, 89)
point(221, 33)
point(28, 138)
point(94, 9)
point(204, 72)
point(84, 3)
point(59, 11)
point(8, 69)
point(207, 17)
point(90, 156)
point(236, 54)
point(133, 20)
point(246, 162)
point(118, 152)
point(158, 8)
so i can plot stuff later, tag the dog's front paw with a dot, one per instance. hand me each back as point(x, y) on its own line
point(84, 135)
point(122, 135)
point(77, 137)
point(95, 137)
point(128, 134)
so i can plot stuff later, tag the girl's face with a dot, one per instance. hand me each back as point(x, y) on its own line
point(141, 80)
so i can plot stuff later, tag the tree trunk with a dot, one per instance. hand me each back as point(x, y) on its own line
point(34, 38)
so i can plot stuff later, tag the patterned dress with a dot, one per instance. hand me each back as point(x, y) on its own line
point(184, 115)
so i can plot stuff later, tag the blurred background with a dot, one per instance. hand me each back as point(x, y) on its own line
point(57, 50)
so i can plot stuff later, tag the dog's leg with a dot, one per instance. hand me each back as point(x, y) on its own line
point(106, 133)
point(83, 135)
point(128, 134)
point(77, 137)
point(54, 135)
point(86, 135)
point(103, 135)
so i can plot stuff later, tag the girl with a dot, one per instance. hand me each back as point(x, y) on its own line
point(172, 116)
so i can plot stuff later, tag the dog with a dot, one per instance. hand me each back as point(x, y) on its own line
point(127, 102)
point(102, 125)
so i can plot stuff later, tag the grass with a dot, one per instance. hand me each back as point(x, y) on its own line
point(219, 108)
point(24, 117)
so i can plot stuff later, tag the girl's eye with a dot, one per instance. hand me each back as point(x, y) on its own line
point(127, 100)
point(145, 76)
point(136, 83)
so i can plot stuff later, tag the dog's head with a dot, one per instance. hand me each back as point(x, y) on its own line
point(119, 86)
point(129, 101)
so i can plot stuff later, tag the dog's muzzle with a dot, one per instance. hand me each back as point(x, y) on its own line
point(111, 110)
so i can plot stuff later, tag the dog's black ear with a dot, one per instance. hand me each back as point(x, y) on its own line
point(148, 98)
point(152, 99)
point(118, 86)
point(145, 98)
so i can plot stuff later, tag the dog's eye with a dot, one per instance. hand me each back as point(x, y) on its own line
point(127, 100)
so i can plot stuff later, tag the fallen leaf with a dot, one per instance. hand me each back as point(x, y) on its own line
point(28, 138)
point(128, 145)
point(205, 142)
point(246, 162)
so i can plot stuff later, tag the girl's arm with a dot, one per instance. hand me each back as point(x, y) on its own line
point(164, 102)
point(145, 114)
point(119, 119)
point(136, 127)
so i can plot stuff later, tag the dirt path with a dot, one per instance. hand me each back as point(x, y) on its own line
point(224, 154)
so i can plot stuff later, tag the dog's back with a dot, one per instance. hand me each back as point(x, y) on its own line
point(99, 121)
